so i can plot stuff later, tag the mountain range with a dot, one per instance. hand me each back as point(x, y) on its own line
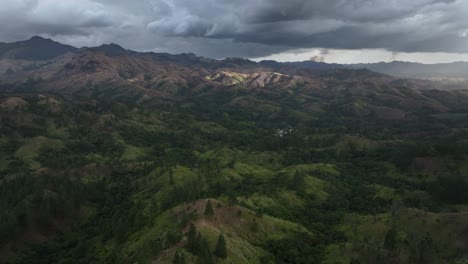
point(109, 155)
point(154, 78)
point(38, 48)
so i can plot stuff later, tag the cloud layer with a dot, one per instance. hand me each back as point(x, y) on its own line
point(247, 28)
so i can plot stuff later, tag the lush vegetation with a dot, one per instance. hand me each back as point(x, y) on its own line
point(93, 180)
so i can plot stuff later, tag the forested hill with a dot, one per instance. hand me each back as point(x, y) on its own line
point(113, 156)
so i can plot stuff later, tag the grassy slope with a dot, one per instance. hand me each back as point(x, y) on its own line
point(29, 151)
point(235, 222)
point(366, 235)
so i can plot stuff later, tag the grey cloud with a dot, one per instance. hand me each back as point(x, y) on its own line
point(25, 18)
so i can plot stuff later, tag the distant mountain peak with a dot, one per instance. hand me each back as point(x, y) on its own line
point(35, 48)
point(39, 38)
point(112, 45)
point(110, 49)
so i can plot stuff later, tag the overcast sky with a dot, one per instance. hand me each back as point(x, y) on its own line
point(343, 31)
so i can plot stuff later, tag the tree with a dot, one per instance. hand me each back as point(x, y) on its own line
point(179, 258)
point(254, 225)
point(192, 238)
point(218, 189)
point(391, 239)
point(205, 253)
point(232, 199)
point(221, 250)
point(209, 209)
point(171, 176)
point(424, 249)
point(198, 244)
point(355, 260)
point(298, 182)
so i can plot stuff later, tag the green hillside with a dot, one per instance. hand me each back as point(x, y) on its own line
point(97, 180)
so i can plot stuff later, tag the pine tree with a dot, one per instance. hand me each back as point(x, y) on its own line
point(197, 245)
point(209, 209)
point(232, 199)
point(218, 189)
point(192, 238)
point(355, 260)
point(205, 253)
point(298, 181)
point(182, 258)
point(176, 259)
point(221, 250)
point(171, 176)
point(424, 249)
point(391, 239)
point(179, 258)
point(254, 225)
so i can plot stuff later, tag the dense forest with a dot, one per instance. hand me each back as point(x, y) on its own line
point(105, 180)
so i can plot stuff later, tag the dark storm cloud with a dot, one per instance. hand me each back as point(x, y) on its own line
point(250, 28)
point(397, 25)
